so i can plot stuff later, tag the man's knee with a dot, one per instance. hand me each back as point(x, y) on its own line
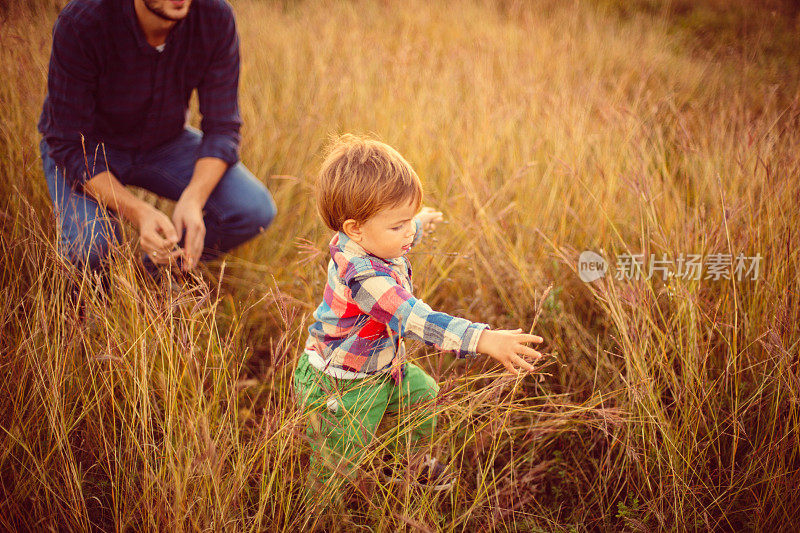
point(262, 211)
point(254, 207)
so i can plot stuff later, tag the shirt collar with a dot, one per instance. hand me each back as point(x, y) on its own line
point(343, 243)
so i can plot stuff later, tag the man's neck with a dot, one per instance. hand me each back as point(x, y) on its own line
point(155, 28)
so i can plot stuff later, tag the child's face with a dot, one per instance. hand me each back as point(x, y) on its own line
point(388, 233)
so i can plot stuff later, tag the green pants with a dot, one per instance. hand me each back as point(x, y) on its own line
point(344, 414)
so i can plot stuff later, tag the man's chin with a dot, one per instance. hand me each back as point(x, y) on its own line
point(173, 17)
point(170, 15)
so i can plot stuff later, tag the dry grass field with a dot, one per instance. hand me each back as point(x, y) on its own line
point(541, 129)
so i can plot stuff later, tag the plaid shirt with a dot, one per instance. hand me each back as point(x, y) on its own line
point(107, 84)
point(366, 310)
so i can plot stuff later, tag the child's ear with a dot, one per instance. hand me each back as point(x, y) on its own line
point(352, 229)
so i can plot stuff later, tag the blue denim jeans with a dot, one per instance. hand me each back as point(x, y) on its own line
point(239, 208)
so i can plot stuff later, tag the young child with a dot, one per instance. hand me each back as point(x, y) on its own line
point(354, 367)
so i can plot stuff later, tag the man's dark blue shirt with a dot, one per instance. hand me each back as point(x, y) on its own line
point(106, 84)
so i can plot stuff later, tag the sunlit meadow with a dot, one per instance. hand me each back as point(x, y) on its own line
point(540, 129)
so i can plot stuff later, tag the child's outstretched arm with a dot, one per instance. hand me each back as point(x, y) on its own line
point(377, 294)
point(380, 296)
point(426, 221)
point(428, 217)
point(508, 347)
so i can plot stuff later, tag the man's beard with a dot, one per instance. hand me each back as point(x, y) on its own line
point(159, 12)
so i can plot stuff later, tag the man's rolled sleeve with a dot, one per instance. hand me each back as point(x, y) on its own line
point(223, 147)
point(217, 93)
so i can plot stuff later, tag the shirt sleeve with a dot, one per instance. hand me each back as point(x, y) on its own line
point(71, 82)
point(377, 294)
point(218, 98)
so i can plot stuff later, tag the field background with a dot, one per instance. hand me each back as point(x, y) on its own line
point(541, 129)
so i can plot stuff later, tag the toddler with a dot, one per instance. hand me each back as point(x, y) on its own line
point(354, 368)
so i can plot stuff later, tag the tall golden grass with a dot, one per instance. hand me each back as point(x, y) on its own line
point(541, 130)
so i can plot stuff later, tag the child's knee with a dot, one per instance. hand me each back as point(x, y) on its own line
point(433, 387)
point(430, 392)
point(423, 386)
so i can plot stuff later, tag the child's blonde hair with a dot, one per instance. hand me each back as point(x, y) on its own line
point(361, 176)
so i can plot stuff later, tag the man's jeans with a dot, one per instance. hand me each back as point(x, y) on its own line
point(239, 208)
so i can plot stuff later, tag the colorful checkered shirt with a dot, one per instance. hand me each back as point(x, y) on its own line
point(368, 308)
point(106, 84)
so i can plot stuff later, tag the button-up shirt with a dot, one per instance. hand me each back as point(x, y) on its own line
point(106, 84)
point(368, 308)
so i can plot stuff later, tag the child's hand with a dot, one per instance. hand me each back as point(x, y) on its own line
point(506, 346)
point(428, 217)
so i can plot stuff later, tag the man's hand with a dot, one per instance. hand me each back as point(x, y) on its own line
point(188, 213)
point(188, 220)
point(507, 346)
point(428, 217)
point(157, 235)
